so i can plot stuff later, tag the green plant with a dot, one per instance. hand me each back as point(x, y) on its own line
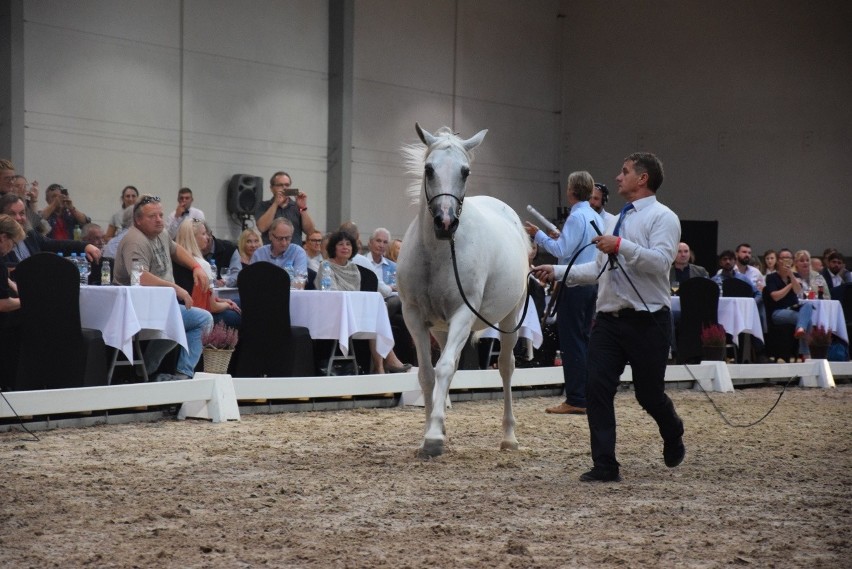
point(713, 335)
point(819, 337)
point(220, 337)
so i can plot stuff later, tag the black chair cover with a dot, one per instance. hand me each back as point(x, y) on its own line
point(699, 307)
point(736, 288)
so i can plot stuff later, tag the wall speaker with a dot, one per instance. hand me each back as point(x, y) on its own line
point(245, 192)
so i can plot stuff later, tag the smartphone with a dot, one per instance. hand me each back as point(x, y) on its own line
point(292, 192)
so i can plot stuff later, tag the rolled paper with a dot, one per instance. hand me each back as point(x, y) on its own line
point(544, 221)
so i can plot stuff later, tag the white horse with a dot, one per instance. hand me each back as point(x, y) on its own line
point(492, 257)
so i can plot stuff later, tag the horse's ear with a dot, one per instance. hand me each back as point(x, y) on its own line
point(474, 140)
point(427, 137)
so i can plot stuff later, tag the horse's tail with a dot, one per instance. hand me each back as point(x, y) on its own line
point(475, 336)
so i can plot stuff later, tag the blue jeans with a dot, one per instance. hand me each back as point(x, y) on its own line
point(195, 322)
point(800, 318)
point(574, 322)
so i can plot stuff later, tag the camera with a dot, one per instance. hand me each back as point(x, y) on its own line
point(292, 192)
point(64, 191)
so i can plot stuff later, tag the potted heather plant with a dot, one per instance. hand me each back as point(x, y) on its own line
point(218, 346)
point(819, 341)
point(713, 342)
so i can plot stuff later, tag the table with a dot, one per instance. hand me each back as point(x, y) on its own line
point(337, 315)
point(120, 312)
point(736, 314)
point(829, 315)
point(530, 329)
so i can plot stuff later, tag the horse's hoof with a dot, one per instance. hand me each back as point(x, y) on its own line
point(431, 448)
point(509, 445)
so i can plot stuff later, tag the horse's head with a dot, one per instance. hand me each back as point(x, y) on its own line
point(445, 172)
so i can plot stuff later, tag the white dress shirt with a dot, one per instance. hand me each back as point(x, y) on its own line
point(649, 236)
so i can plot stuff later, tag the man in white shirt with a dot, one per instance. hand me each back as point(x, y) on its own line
point(375, 260)
point(183, 211)
point(631, 325)
point(745, 268)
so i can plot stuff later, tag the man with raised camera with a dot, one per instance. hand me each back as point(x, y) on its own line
point(286, 202)
point(61, 214)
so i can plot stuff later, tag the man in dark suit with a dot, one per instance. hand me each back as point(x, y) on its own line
point(35, 242)
point(682, 268)
point(835, 274)
point(219, 250)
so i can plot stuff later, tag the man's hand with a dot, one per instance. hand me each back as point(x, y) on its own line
point(180, 210)
point(302, 200)
point(184, 297)
point(530, 229)
point(200, 278)
point(543, 273)
point(280, 198)
point(93, 253)
point(606, 243)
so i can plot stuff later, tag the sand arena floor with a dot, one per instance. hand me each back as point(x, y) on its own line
point(344, 489)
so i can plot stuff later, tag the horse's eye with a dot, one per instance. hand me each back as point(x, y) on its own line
point(465, 172)
point(430, 171)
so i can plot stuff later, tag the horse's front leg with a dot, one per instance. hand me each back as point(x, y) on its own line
point(506, 364)
point(457, 335)
point(425, 372)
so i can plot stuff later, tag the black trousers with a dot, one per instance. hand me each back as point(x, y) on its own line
point(642, 339)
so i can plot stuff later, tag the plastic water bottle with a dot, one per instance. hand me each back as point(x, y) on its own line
point(214, 273)
point(105, 273)
point(84, 268)
point(557, 361)
point(78, 233)
point(291, 272)
point(136, 273)
point(325, 280)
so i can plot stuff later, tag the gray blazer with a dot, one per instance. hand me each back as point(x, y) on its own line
point(694, 271)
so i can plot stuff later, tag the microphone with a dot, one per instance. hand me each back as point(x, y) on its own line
point(544, 221)
point(613, 260)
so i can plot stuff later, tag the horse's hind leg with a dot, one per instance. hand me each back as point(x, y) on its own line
point(506, 364)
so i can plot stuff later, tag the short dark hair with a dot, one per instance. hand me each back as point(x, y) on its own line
point(835, 255)
point(7, 200)
point(184, 191)
point(337, 237)
point(741, 245)
point(604, 192)
point(727, 254)
point(647, 163)
point(279, 173)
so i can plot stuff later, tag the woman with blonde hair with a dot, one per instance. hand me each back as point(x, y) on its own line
point(249, 241)
point(393, 250)
point(192, 236)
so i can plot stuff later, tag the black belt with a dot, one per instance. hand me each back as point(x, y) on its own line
point(627, 312)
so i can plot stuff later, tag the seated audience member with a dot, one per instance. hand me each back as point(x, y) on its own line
point(92, 234)
point(111, 248)
point(183, 211)
point(61, 214)
point(783, 291)
point(770, 258)
point(192, 236)
point(313, 249)
point(280, 250)
point(344, 275)
point(34, 242)
point(744, 266)
point(682, 269)
point(129, 195)
point(219, 250)
point(11, 233)
point(393, 250)
point(375, 260)
point(727, 270)
point(817, 265)
point(835, 273)
point(248, 242)
point(7, 177)
point(810, 279)
point(149, 242)
point(29, 193)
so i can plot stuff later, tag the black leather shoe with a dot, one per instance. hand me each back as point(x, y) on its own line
point(674, 452)
point(600, 475)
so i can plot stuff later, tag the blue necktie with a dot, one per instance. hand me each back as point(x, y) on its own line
point(624, 211)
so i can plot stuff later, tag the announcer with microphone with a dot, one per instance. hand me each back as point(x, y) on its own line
point(632, 322)
point(576, 302)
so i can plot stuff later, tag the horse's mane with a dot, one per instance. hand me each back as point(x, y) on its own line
point(414, 156)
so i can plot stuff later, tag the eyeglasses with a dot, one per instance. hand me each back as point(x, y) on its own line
point(145, 201)
point(279, 185)
point(282, 238)
point(315, 240)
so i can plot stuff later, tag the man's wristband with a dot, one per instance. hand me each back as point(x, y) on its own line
point(197, 266)
point(303, 209)
point(617, 246)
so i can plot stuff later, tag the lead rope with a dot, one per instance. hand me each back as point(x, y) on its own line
point(472, 309)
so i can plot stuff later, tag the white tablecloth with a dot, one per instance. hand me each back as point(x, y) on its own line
point(119, 312)
point(736, 314)
point(530, 329)
point(829, 315)
point(338, 315)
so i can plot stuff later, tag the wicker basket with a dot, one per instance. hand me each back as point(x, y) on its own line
point(216, 361)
